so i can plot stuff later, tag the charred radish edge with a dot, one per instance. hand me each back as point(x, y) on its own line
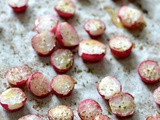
point(145, 80)
point(153, 117)
point(156, 96)
point(30, 116)
point(102, 117)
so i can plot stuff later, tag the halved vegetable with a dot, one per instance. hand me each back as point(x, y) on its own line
point(62, 60)
point(149, 71)
point(153, 117)
point(17, 76)
point(60, 112)
point(120, 46)
point(102, 117)
point(156, 96)
point(91, 50)
point(44, 43)
point(108, 87)
point(30, 117)
point(88, 109)
point(66, 35)
point(122, 105)
point(39, 85)
point(13, 99)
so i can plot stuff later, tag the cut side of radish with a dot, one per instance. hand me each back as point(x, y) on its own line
point(120, 46)
point(60, 112)
point(17, 76)
point(102, 117)
point(13, 99)
point(108, 87)
point(122, 105)
point(66, 35)
point(43, 43)
point(30, 117)
point(88, 109)
point(62, 85)
point(62, 60)
point(153, 117)
point(39, 85)
point(156, 96)
point(149, 71)
point(65, 8)
point(91, 50)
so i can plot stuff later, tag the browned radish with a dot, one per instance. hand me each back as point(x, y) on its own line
point(102, 117)
point(39, 85)
point(62, 85)
point(153, 117)
point(44, 43)
point(65, 8)
point(13, 99)
point(17, 76)
point(60, 112)
point(66, 35)
point(122, 105)
point(149, 71)
point(91, 50)
point(30, 117)
point(156, 96)
point(62, 60)
point(108, 87)
point(120, 46)
point(88, 109)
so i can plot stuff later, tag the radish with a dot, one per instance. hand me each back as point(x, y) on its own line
point(65, 8)
point(62, 85)
point(43, 43)
point(39, 85)
point(102, 117)
point(17, 76)
point(122, 105)
point(18, 5)
point(91, 50)
point(46, 23)
point(30, 117)
point(94, 27)
point(149, 71)
point(153, 117)
point(13, 99)
point(108, 87)
point(62, 60)
point(120, 46)
point(66, 35)
point(156, 96)
point(88, 109)
point(60, 112)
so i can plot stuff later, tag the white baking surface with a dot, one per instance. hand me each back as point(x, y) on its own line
point(15, 49)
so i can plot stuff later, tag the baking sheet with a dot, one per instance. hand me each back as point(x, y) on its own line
point(15, 49)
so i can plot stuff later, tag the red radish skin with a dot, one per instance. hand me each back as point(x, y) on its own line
point(149, 71)
point(62, 60)
point(17, 76)
point(60, 112)
point(120, 46)
point(94, 27)
point(156, 96)
point(91, 50)
point(102, 117)
point(66, 35)
point(62, 85)
point(88, 109)
point(31, 117)
point(18, 5)
point(13, 99)
point(108, 87)
point(39, 85)
point(122, 105)
point(153, 117)
point(43, 43)
point(65, 8)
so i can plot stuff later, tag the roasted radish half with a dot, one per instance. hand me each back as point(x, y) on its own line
point(13, 99)
point(94, 27)
point(62, 60)
point(130, 17)
point(17, 76)
point(43, 43)
point(120, 46)
point(88, 109)
point(66, 35)
point(46, 23)
point(91, 50)
point(153, 117)
point(65, 8)
point(39, 85)
point(60, 112)
point(122, 105)
point(102, 117)
point(18, 5)
point(156, 96)
point(30, 117)
point(108, 87)
point(62, 85)
point(149, 71)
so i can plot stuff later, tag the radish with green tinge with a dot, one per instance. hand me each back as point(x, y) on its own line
point(153, 117)
point(31, 117)
point(102, 117)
